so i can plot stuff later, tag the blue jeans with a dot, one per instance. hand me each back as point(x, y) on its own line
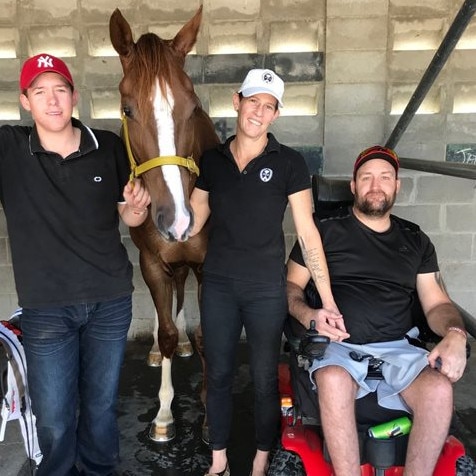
point(74, 357)
point(228, 305)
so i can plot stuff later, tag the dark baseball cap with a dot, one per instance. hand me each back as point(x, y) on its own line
point(377, 152)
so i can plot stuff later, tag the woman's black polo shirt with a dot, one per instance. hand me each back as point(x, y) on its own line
point(246, 238)
point(62, 217)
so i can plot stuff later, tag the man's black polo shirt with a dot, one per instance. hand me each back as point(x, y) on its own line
point(246, 236)
point(62, 217)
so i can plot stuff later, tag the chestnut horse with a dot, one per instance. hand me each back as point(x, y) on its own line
point(165, 131)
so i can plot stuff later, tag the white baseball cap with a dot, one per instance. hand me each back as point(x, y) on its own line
point(259, 81)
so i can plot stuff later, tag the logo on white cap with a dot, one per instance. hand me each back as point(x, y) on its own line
point(267, 77)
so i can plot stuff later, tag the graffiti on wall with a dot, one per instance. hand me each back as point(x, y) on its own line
point(461, 153)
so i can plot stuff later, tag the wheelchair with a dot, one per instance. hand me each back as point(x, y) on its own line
point(302, 450)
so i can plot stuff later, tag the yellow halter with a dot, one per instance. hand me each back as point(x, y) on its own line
point(137, 170)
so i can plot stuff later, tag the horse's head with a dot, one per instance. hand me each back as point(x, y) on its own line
point(163, 119)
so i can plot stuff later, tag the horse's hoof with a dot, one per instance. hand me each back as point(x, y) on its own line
point(154, 359)
point(162, 434)
point(205, 435)
point(184, 350)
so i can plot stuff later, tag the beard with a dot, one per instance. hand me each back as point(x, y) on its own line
point(373, 207)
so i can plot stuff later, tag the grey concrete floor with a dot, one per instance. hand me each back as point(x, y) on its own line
point(187, 454)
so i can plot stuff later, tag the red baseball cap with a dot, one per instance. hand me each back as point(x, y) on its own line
point(377, 152)
point(43, 63)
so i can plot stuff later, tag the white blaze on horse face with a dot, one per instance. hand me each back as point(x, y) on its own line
point(163, 107)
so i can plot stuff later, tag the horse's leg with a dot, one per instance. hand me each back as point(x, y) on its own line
point(160, 282)
point(154, 359)
point(162, 428)
point(184, 347)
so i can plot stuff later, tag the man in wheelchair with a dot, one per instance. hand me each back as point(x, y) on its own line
point(378, 263)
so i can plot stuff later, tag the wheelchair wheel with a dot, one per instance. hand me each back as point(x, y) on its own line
point(465, 466)
point(286, 463)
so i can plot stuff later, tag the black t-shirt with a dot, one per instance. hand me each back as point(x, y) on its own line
point(246, 239)
point(373, 275)
point(62, 217)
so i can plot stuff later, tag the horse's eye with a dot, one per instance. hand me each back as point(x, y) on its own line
point(127, 111)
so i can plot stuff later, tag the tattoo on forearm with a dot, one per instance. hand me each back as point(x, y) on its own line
point(313, 261)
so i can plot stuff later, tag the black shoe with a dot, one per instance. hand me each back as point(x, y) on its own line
point(225, 472)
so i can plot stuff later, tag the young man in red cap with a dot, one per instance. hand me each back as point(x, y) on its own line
point(378, 263)
point(63, 188)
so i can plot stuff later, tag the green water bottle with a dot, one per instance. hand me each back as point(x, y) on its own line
point(391, 429)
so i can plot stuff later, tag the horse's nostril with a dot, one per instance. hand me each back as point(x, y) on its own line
point(160, 221)
point(167, 227)
point(162, 226)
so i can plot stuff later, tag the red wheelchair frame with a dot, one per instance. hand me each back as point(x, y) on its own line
point(305, 441)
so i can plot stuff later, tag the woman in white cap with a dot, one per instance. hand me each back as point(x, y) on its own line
point(244, 188)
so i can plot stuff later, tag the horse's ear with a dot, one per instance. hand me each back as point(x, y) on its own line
point(187, 36)
point(120, 33)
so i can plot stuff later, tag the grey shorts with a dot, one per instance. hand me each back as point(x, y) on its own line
point(402, 363)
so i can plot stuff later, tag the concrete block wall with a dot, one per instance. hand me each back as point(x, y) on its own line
point(350, 66)
point(373, 63)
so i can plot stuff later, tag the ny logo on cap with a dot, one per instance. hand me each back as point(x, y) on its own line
point(267, 77)
point(45, 62)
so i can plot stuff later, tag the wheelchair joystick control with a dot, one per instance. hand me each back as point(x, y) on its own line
point(313, 345)
point(311, 332)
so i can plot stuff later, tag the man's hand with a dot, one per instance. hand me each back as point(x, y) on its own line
point(136, 196)
point(329, 323)
point(134, 210)
point(449, 355)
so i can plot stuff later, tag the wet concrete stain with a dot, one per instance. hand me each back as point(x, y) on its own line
point(187, 454)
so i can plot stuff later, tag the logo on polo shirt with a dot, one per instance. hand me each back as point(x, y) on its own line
point(265, 175)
